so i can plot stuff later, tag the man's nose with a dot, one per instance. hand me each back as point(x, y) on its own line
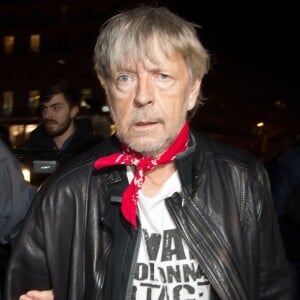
point(144, 92)
point(47, 114)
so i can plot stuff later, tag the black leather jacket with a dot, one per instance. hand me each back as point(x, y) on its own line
point(76, 242)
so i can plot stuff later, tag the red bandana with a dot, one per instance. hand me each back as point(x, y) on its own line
point(142, 164)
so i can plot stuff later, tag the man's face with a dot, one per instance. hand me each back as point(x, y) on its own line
point(149, 102)
point(57, 115)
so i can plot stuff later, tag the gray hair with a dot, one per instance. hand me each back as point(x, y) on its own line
point(128, 37)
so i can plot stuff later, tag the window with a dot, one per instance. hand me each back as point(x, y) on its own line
point(85, 94)
point(33, 100)
point(8, 44)
point(8, 102)
point(18, 134)
point(35, 40)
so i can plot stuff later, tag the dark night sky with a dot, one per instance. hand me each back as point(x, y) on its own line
point(258, 38)
point(263, 29)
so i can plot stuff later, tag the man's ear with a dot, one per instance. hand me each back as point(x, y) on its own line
point(102, 81)
point(74, 111)
point(194, 92)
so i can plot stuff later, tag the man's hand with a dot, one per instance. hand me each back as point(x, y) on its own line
point(38, 295)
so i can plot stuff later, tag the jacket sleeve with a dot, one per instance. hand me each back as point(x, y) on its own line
point(27, 268)
point(275, 282)
point(15, 196)
point(41, 254)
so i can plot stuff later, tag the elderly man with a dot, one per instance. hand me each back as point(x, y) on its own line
point(157, 211)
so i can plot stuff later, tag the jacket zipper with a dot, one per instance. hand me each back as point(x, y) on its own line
point(208, 271)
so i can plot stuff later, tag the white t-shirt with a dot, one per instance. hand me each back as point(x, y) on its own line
point(165, 269)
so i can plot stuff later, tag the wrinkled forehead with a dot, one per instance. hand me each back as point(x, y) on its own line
point(145, 48)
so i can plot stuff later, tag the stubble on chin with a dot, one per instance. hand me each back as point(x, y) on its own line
point(145, 144)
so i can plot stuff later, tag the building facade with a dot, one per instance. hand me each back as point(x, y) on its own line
point(42, 42)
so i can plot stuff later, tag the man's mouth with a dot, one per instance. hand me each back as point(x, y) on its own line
point(145, 123)
point(50, 122)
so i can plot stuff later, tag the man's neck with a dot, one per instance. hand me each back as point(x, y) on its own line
point(154, 179)
point(60, 140)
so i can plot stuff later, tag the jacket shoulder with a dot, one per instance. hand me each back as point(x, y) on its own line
point(223, 151)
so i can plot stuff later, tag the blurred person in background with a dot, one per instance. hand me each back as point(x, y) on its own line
point(157, 211)
point(285, 185)
point(15, 198)
point(61, 135)
point(285, 175)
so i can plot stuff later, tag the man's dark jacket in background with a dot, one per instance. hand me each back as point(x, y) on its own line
point(40, 146)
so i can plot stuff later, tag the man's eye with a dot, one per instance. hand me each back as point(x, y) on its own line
point(163, 76)
point(123, 78)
